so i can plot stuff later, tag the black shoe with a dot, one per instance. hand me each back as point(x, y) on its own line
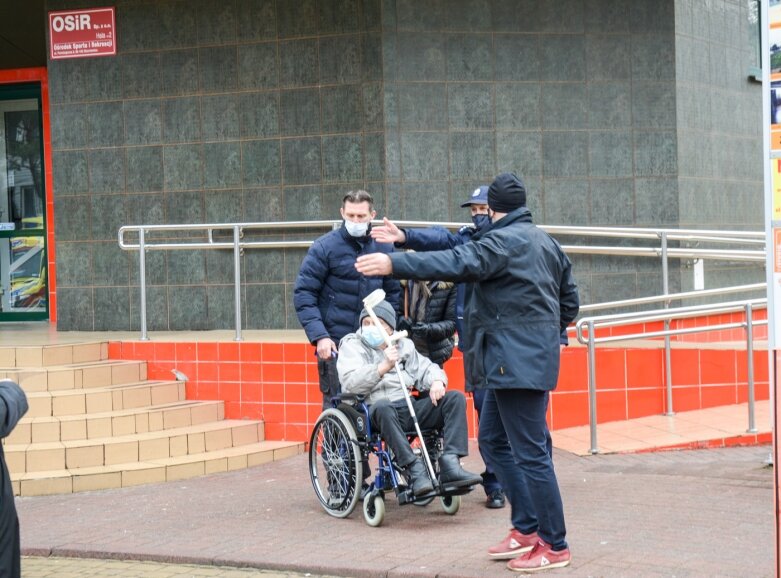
point(452, 474)
point(495, 500)
point(417, 477)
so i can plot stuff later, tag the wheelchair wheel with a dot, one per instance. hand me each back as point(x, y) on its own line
point(335, 463)
point(373, 509)
point(451, 504)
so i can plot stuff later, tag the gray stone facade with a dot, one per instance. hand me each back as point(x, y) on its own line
point(615, 112)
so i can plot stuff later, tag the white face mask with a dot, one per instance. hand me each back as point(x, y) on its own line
point(356, 229)
point(372, 336)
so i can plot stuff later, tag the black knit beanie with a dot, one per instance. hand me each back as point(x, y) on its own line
point(506, 193)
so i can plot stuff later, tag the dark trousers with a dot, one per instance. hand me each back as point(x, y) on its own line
point(515, 437)
point(329, 380)
point(392, 419)
point(490, 481)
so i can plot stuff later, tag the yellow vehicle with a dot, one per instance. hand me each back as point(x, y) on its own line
point(28, 273)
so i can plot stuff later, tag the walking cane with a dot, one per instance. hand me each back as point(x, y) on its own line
point(372, 299)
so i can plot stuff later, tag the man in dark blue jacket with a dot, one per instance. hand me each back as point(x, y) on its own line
point(522, 299)
point(328, 293)
point(13, 405)
point(438, 238)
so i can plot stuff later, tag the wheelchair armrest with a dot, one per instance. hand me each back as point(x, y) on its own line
point(351, 397)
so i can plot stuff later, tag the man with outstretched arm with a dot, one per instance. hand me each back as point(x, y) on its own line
point(434, 239)
point(516, 316)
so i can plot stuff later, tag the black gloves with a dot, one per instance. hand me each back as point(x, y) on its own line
point(404, 324)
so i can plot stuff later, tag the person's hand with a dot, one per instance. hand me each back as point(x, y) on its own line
point(325, 348)
point(391, 357)
point(404, 324)
point(436, 392)
point(419, 329)
point(374, 264)
point(392, 354)
point(388, 233)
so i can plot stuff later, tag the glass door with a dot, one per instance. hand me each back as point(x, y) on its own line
point(23, 285)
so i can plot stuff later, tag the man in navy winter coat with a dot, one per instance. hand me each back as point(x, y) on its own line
point(438, 238)
point(329, 292)
point(13, 405)
point(522, 299)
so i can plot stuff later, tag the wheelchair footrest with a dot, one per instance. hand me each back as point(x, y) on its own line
point(455, 490)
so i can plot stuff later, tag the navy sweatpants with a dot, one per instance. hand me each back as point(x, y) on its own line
point(514, 435)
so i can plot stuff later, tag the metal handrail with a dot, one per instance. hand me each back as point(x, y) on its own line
point(748, 237)
point(238, 243)
point(590, 340)
point(673, 297)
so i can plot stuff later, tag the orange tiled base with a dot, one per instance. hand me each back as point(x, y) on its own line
point(278, 382)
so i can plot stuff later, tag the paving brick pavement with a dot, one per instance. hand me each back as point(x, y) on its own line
point(55, 567)
point(682, 514)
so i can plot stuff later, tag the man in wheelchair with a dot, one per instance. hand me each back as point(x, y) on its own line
point(367, 367)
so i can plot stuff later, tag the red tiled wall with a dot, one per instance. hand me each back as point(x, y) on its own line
point(277, 382)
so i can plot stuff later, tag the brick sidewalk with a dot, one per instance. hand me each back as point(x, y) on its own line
point(53, 567)
point(684, 514)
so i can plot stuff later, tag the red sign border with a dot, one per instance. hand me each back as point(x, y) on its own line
point(111, 9)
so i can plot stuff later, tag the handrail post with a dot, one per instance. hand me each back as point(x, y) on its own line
point(752, 427)
point(667, 355)
point(592, 388)
point(237, 280)
point(142, 281)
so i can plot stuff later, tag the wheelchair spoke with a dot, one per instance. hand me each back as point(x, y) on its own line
point(334, 464)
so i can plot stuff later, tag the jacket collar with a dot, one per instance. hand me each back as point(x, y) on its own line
point(519, 215)
point(357, 241)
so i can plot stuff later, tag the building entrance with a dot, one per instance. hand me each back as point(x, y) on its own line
point(23, 278)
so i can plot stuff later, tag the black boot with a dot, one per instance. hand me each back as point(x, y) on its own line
point(452, 474)
point(418, 478)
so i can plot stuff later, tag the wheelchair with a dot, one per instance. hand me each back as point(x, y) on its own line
point(339, 450)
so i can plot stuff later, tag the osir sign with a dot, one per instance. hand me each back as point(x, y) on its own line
point(82, 33)
point(71, 22)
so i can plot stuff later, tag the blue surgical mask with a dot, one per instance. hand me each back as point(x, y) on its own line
point(372, 336)
point(481, 221)
point(356, 229)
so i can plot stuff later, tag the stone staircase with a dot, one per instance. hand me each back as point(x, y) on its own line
point(96, 423)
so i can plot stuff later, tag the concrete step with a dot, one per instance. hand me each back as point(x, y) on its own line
point(45, 355)
point(152, 470)
point(95, 423)
point(103, 399)
point(115, 423)
point(77, 376)
point(76, 454)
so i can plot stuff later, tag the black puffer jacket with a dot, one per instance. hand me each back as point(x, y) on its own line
point(434, 335)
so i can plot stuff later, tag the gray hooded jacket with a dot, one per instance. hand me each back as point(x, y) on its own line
point(357, 366)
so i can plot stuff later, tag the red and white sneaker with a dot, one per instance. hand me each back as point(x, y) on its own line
point(541, 557)
point(513, 545)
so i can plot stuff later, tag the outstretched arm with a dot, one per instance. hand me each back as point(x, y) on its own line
point(388, 232)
